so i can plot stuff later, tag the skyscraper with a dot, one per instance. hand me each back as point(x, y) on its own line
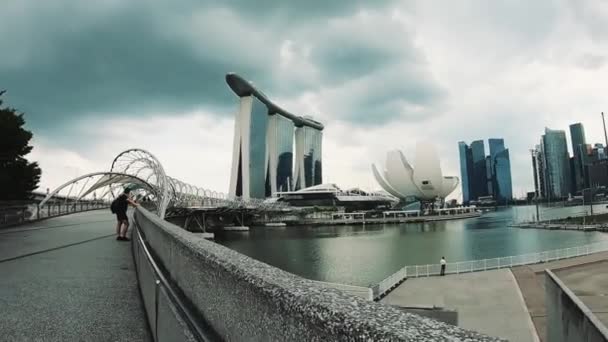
point(577, 136)
point(502, 176)
point(485, 175)
point(478, 179)
point(466, 168)
point(279, 155)
point(263, 148)
point(308, 170)
point(557, 164)
point(500, 168)
point(538, 168)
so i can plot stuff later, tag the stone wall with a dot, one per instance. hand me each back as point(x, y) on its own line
point(243, 299)
point(568, 318)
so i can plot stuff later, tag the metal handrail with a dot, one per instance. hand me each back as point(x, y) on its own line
point(415, 271)
point(30, 212)
point(199, 333)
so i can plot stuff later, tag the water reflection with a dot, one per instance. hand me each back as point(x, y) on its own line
point(365, 254)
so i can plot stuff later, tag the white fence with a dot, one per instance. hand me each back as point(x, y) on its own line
point(485, 264)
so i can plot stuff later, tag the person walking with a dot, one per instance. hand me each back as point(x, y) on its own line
point(119, 207)
point(443, 262)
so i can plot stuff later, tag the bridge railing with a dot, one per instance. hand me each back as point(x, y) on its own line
point(16, 213)
point(238, 298)
point(415, 271)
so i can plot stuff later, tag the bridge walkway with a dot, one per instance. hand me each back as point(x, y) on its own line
point(68, 279)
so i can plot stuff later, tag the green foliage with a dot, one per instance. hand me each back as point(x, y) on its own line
point(18, 177)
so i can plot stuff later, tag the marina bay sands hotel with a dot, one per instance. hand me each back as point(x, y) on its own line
point(263, 150)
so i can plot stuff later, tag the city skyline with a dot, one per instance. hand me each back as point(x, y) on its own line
point(166, 93)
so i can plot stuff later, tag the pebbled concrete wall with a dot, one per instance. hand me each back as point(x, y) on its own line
point(246, 300)
point(568, 318)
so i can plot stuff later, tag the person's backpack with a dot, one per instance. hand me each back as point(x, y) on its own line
point(114, 205)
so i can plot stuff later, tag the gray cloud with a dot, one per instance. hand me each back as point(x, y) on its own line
point(70, 60)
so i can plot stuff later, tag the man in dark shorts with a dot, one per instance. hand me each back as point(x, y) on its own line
point(122, 203)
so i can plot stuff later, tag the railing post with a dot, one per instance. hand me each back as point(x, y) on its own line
point(416, 271)
point(38, 211)
point(427, 270)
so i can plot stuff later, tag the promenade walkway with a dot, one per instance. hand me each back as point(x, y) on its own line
point(531, 280)
point(488, 302)
point(68, 279)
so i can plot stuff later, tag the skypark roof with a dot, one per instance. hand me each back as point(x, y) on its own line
point(242, 87)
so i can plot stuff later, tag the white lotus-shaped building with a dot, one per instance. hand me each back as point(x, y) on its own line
point(426, 182)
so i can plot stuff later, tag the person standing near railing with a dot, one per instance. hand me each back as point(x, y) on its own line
point(119, 207)
point(443, 263)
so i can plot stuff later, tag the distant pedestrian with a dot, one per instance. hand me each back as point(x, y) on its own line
point(119, 207)
point(443, 262)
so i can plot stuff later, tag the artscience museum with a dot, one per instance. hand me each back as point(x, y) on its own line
point(423, 181)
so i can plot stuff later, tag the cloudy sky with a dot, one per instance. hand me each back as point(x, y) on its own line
point(95, 78)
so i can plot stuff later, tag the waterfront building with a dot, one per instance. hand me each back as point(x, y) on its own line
point(279, 154)
point(466, 168)
point(473, 170)
point(425, 182)
point(309, 167)
point(331, 196)
point(556, 163)
point(577, 137)
point(482, 175)
point(538, 167)
point(479, 178)
point(263, 146)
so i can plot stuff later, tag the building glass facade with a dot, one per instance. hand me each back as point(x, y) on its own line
point(557, 163)
point(502, 176)
point(257, 149)
point(485, 175)
point(538, 161)
point(500, 169)
point(478, 180)
point(263, 146)
point(280, 154)
point(577, 136)
point(309, 167)
point(466, 168)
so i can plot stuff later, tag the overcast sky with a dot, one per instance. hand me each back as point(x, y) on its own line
point(95, 78)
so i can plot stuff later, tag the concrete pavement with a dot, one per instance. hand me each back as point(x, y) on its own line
point(531, 281)
point(589, 283)
point(68, 279)
point(488, 302)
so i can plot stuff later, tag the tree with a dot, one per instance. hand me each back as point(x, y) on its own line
point(18, 177)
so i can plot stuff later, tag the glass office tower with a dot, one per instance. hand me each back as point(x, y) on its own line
point(577, 136)
point(308, 166)
point(557, 163)
point(502, 176)
point(502, 189)
point(479, 177)
point(466, 169)
point(279, 157)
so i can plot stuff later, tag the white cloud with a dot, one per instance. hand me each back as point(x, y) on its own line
point(193, 147)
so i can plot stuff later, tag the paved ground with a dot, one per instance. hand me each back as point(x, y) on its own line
point(68, 279)
point(590, 284)
point(488, 302)
point(531, 280)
